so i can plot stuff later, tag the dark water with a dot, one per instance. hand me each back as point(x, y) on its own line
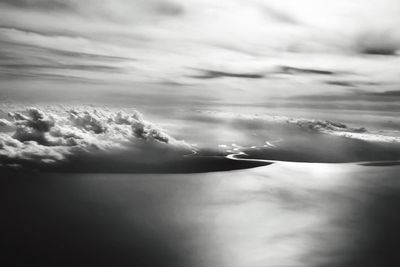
point(91, 220)
point(277, 215)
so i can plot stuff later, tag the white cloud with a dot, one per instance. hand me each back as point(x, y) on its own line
point(47, 137)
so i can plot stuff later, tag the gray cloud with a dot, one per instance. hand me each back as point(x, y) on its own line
point(280, 15)
point(213, 74)
point(168, 8)
point(326, 126)
point(51, 52)
point(86, 67)
point(340, 83)
point(382, 42)
point(33, 126)
point(31, 60)
point(167, 36)
point(295, 70)
point(29, 75)
point(40, 4)
point(393, 93)
point(354, 95)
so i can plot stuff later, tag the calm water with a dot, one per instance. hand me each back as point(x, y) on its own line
point(285, 214)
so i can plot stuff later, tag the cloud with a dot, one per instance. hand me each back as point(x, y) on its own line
point(46, 139)
point(381, 42)
point(32, 127)
point(340, 83)
point(325, 126)
point(301, 139)
point(169, 37)
point(304, 140)
point(213, 74)
point(283, 125)
point(342, 130)
point(279, 15)
point(295, 70)
point(168, 8)
point(50, 5)
point(393, 93)
point(86, 67)
point(354, 95)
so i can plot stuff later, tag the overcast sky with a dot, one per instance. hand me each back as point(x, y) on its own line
point(228, 44)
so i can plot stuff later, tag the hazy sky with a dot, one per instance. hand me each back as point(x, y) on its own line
point(256, 48)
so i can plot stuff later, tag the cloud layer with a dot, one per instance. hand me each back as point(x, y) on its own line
point(88, 139)
point(165, 33)
point(230, 51)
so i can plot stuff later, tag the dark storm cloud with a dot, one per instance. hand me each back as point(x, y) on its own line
point(212, 74)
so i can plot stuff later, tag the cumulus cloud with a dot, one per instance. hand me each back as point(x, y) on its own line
point(342, 130)
point(39, 138)
point(319, 125)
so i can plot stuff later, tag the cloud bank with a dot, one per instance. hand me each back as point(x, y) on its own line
point(307, 125)
point(90, 139)
point(293, 139)
point(42, 139)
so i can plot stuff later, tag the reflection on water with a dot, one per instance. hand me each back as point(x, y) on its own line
point(285, 214)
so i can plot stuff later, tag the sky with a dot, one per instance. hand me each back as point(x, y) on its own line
point(201, 70)
point(226, 51)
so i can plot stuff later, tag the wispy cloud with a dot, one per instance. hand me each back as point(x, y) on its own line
point(212, 74)
point(158, 40)
point(50, 5)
